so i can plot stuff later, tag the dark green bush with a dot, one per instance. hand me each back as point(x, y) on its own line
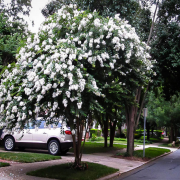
point(96, 132)
point(138, 133)
point(158, 133)
point(117, 135)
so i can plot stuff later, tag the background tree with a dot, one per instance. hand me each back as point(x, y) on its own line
point(12, 34)
point(165, 49)
point(164, 113)
point(13, 29)
point(15, 8)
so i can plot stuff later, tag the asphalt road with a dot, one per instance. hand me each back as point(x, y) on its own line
point(165, 168)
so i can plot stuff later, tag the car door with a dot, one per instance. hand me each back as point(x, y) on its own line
point(23, 138)
point(40, 135)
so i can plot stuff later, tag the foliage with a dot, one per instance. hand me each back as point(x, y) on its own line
point(139, 17)
point(164, 113)
point(131, 10)
point(61, 171)
point(15, 8)
point(165, 48)
point(12, 35)
point(66, 69)
point(96, 132)
point(95, 138)
point(73, 76)
point(27, 157)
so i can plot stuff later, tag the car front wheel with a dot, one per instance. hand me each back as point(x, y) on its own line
point(9, 144)
point(53, 147)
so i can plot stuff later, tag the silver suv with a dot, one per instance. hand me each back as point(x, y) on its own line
point(56, 138)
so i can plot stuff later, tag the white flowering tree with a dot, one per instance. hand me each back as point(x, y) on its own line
point(66, 69)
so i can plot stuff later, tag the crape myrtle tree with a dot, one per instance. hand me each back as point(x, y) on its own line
point(138, 15)
point(64, 68)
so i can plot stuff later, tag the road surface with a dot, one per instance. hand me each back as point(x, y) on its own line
point(165, 168)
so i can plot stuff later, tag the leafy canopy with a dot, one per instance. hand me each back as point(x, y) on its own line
point(64, 69)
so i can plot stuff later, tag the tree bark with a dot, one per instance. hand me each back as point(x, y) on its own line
point(119, 129)
point(175, 133)
point(130, 121)
point(172, 134)
point(105, 130)
point(152, 131)
point(112, 131)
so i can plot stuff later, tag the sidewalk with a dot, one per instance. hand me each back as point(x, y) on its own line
point(17, 171)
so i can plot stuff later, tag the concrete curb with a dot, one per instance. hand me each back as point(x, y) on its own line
point(117, 174)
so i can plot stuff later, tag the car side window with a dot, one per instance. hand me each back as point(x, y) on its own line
point(30, 126)
point(59, 125)
point(42, 125)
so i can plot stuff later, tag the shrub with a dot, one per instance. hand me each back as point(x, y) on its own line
point(138, 133)
point(96, 132)
point(158, 133)
point(94, 138)
point(118, 135)
point(125, 132)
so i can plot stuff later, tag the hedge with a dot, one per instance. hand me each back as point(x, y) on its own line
point(96, 132)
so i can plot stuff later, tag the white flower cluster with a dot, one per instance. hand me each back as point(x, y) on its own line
point(68, 67)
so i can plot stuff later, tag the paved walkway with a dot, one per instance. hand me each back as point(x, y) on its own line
point(17, 171)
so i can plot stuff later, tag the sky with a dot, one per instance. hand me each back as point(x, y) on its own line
point(36, 15)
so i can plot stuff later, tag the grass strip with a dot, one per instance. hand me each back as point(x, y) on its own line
point(3, 164)
point(27, 157)
point(151, 152)
point(64, 172)
point(94, 147)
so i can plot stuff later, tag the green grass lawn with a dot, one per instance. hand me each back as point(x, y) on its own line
point(96, 147)
point(63, 171)
point(152, 139)
point(27, 157)
point(151, 152)
point(2, 164)
point(122, 141)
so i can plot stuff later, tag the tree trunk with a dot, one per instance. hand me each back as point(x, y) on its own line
point(152, 131)
point(77, 139)
point(175, 131)
point(119, 129)
point(130, 121)
point(105, 130)
point(172, 134)
point(112, 131)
